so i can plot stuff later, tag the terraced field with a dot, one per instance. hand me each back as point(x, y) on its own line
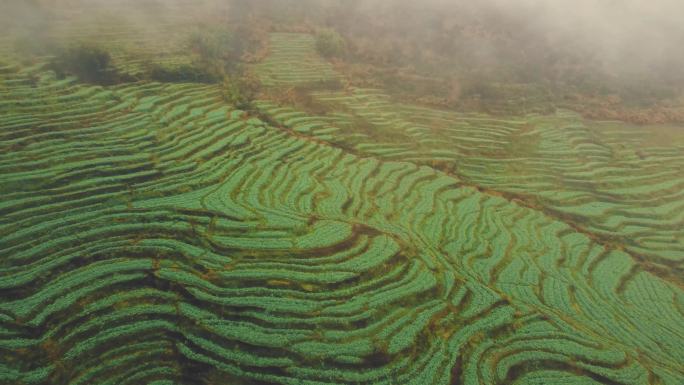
point(152, 233)
point(293, 61)
point(602, 178)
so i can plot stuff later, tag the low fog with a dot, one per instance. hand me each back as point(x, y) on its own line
point(620, 32)
point(631, 48)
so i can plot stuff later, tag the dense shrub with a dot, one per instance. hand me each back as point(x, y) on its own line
point(216, 51)
point(329, 43)
point(181, 73)
point(90, 63)
point(240, 90)
point(216, 57)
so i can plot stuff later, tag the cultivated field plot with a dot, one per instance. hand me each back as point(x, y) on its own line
point(293, 61)
point(151, 233)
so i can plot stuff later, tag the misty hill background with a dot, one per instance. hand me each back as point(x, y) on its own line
point(606, 59)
